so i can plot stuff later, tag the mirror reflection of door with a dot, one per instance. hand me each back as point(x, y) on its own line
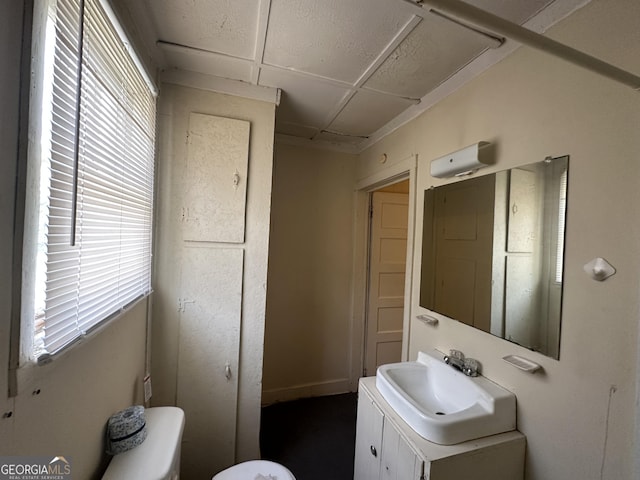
point(463, 232)
point(387, 263)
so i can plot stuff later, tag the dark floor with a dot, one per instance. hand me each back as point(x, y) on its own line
point(313, 437)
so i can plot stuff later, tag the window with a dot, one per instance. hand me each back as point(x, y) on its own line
point(562, 209)
point(91, 178)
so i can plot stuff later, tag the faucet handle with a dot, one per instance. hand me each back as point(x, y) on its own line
point(471, 367)
point(457, 354)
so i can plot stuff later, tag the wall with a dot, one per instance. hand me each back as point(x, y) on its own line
point(81, 389)
point(308, 336)
point(77, 394)
point(579, 414)
point(176, 103)
point(10, 36)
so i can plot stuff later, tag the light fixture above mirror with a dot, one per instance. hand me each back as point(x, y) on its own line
point(462, 162)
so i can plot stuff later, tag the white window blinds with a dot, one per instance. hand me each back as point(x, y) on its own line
point(562, 210)
point(97, 177)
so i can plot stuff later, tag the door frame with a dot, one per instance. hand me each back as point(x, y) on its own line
point(401, 170)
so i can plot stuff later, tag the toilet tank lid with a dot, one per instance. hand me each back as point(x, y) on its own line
point(154, 458)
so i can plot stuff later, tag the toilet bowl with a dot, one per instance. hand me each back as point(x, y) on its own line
point(255, 470)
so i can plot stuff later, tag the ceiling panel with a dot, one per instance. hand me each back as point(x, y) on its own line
point(304, 100)
point(295, 130)
point(347, 69)
point(222, 26)
point(336, 39)
point(518, 11)
point(208, 63)
point(366, 113)
point(333, 138)
point(435, 50)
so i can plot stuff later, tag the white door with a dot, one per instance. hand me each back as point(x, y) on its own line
point(387, 262)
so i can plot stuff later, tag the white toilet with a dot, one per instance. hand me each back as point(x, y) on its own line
point(158, 457)
point(255, 470)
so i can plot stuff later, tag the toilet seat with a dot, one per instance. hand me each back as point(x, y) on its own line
point(255, 470)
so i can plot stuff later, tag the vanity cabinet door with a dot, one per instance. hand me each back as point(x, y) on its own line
point(368, 439)
point(399, 461)
point(409, 465)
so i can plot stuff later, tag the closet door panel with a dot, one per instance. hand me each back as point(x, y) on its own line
point(215, 194)
point(208, 355)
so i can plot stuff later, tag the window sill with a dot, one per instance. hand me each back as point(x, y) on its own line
point(29, 375)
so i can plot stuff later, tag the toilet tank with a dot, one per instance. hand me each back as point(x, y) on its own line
point(158, 457)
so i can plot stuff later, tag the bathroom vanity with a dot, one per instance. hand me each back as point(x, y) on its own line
point(388, 449)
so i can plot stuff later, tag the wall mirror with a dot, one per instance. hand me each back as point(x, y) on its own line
point(492, 252)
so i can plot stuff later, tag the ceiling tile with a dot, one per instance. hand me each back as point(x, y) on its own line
point(366, 113)
point(215, 25)
point(518, 11)
point(336, 39)
point(295, 130)
point(304, 100)
point(210, 64)
point(435, 50)
point(339, 139)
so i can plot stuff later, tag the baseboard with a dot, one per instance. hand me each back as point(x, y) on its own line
point(330, 387)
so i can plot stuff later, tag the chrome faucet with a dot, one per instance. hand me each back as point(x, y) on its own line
point(468, 366)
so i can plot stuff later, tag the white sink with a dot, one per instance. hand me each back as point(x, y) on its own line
point(442, 404)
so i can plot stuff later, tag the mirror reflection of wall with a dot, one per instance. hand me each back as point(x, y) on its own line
point(492, 253)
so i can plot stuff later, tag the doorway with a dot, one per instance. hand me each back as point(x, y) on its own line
point(387, 255)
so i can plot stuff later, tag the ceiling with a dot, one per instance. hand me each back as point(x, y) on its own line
point(348, 71)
